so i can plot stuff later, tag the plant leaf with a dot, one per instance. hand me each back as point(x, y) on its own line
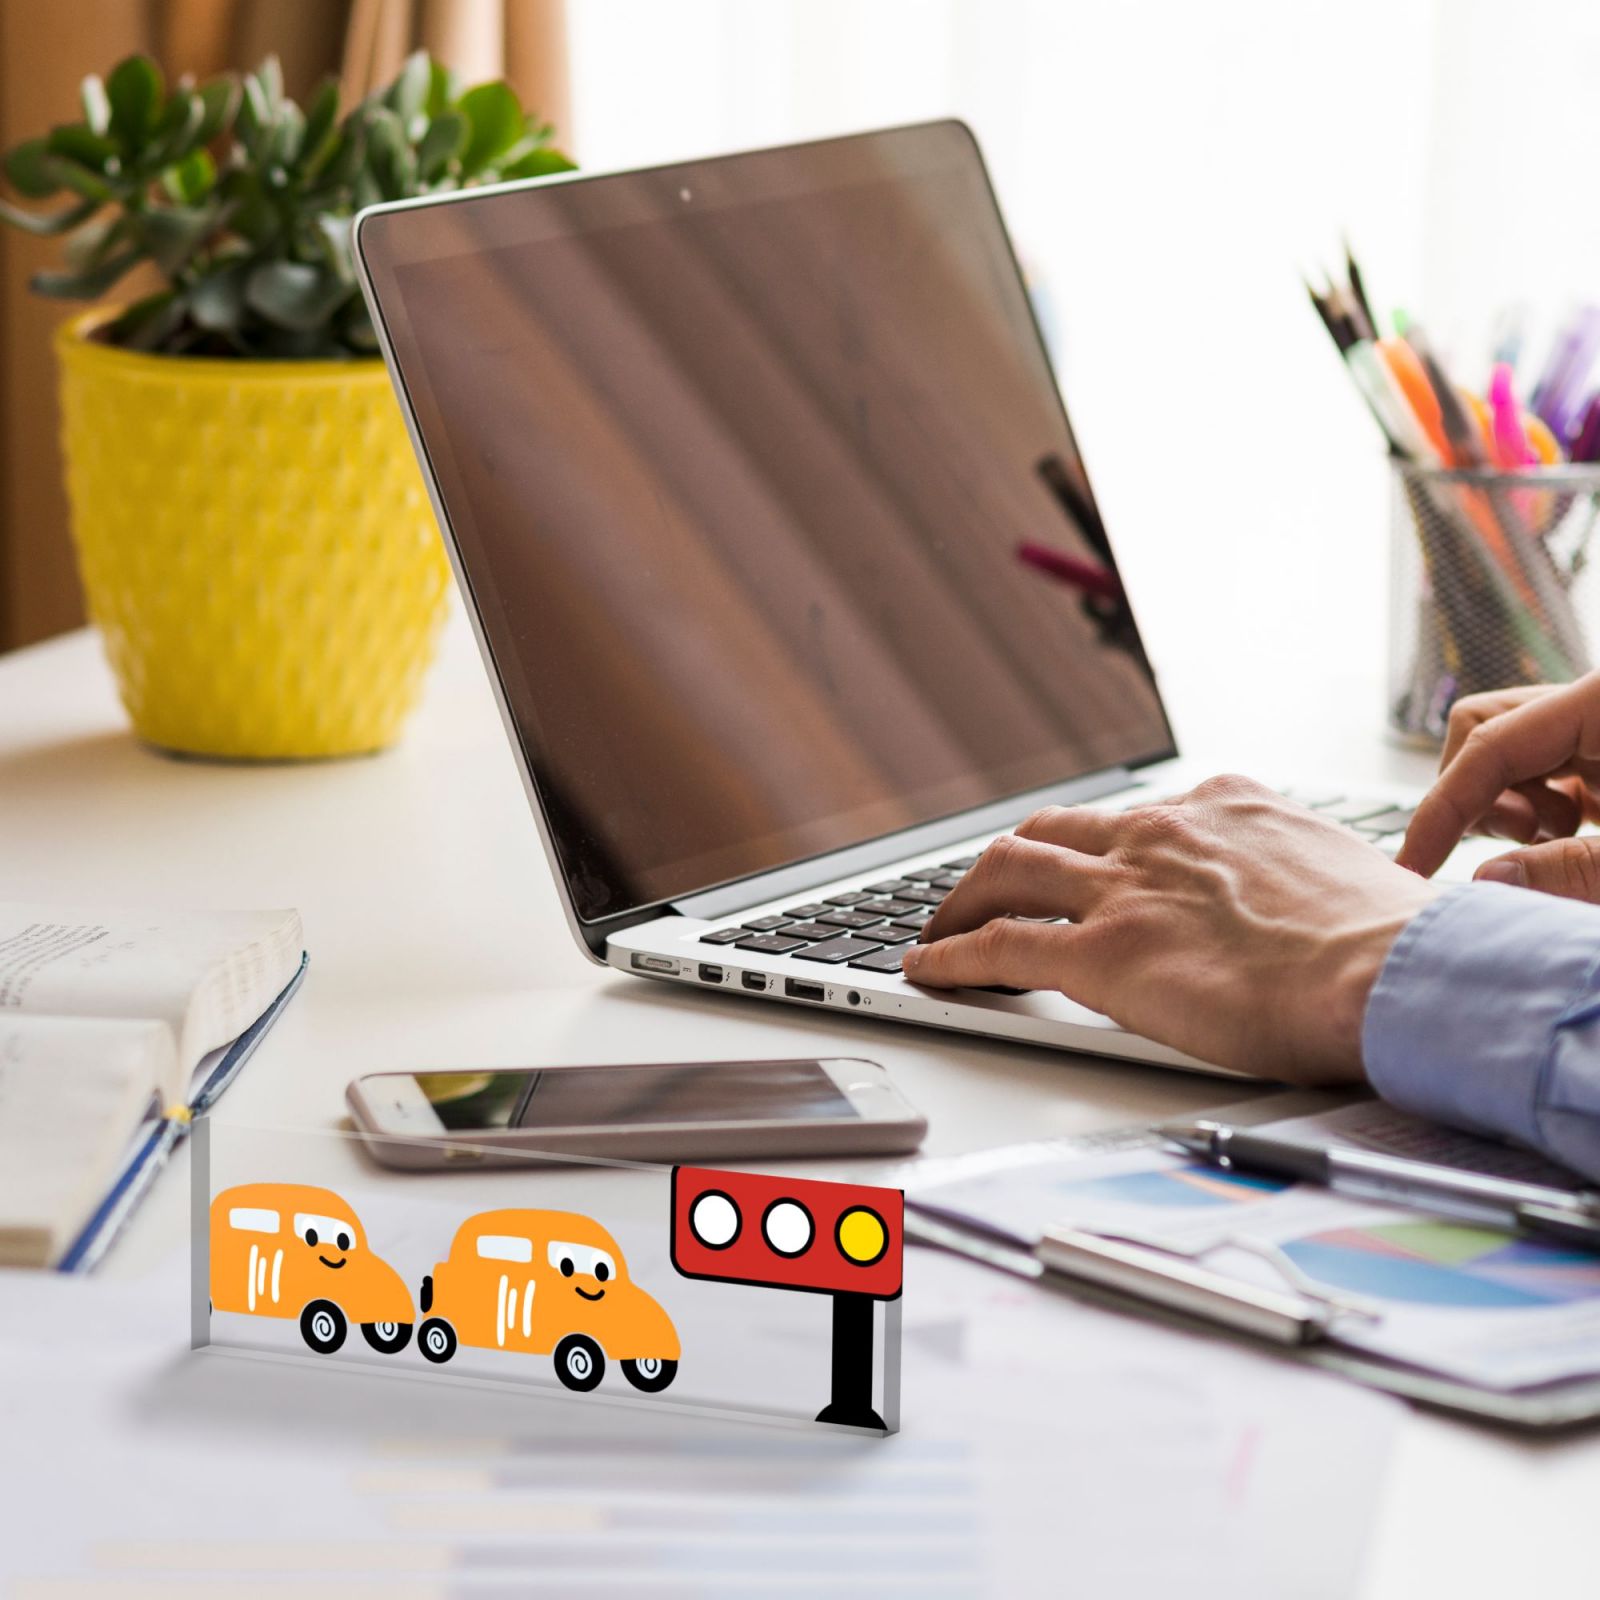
point(82, 144)
point(335, 234)
point(190, 181)
point(445, 139)
point(321, 131)
point(93, 242)
point(134, 90)
point(390, 160)
point(288, 133)
point(51, 222)
point(216, 301)
point(270, 76)
point(85, 285)
point(408, 94)
point(172, 234)
point(293, 294)
point(96, 107)
point(80, 180)
point(255, 115)
point(220, 98)
point(29, 168)
point(444, 89)
point(539, 164)
point(149, 323)
point(178, 131)
point(496, 120)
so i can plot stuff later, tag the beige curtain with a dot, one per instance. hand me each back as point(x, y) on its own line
point(46, 47)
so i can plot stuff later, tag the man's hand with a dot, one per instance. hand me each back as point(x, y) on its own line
point(1231, 924)
point(1521, 764)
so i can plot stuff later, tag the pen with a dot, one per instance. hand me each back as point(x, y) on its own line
point(1532, 1208)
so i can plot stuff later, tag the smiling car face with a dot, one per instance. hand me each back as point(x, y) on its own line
point(573, 1261)
point(327, 1237)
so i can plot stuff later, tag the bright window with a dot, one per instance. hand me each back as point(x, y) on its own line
point(505, 1247)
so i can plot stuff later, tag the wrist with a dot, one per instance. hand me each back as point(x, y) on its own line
point(1357, 956)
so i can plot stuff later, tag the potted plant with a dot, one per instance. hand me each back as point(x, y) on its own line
point(251, 526)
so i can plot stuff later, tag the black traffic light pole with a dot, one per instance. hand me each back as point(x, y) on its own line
point(851, 1404)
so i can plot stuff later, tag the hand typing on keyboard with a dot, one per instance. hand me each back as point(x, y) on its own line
point(1231, 923)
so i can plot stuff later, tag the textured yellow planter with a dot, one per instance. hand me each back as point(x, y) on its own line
point(256, 545)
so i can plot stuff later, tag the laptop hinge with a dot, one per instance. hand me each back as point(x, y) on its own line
point(804, 875)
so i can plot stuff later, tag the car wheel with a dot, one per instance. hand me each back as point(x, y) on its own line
point(580, 1362)
point(387, 1338)
point(650, 1374)
point(436, 1339)
point(323, 1327)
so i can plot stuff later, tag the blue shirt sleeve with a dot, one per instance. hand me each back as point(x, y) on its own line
point(1486, 1015)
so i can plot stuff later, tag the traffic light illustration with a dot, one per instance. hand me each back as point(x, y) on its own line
point(845, 1240)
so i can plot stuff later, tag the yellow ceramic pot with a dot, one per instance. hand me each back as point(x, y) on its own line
point(256, 545)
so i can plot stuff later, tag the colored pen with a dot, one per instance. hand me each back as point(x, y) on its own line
point(1529, 1208)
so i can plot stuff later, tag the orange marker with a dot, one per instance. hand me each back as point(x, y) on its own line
point(1412, 381)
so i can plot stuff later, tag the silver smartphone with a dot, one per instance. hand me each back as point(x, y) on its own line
point(672, 1111)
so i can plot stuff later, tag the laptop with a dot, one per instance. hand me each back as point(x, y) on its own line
point(781, 555)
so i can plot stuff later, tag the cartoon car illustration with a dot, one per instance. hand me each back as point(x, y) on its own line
point(547, 1282)
point(290, 1250)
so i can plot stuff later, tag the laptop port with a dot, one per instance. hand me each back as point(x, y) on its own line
point(709, 973)
point(753, 980)
point(799, 989)
point(643, 963)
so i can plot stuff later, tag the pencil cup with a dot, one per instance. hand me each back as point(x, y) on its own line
point(1487, 587)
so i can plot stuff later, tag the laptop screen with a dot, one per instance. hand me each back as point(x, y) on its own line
point(764, 494)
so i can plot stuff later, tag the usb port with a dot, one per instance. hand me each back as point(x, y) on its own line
point(709, 973)
point(799, 989)
point(643, 963)
point(753, 980)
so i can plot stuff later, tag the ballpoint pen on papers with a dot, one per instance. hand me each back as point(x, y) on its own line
point(1555, 1215)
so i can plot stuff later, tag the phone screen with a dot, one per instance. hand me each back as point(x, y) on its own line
point(699, 1092)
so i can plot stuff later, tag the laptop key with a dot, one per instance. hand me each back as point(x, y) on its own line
point(813, 908)
point(1395, 821)
point(879, 961)
point(838, 950)
point(852, 899)
point(768, 924)
point(948, 881)
point(1355, 810)
point(810, 932)
point(914, 920)
point(965, 864)
point(851, 919)
point(722, 936)
point(926, 874)
point(925, 896)
point(889, 886)
point(770, 944)
point(887, 908)
point(893, 935)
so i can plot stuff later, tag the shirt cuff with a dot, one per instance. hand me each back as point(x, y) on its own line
point(1464, 1013)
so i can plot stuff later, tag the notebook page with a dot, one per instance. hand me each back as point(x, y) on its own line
point(207, 975)
point(72, 1091)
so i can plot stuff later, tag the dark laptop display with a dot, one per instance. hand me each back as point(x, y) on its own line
point(741, 458)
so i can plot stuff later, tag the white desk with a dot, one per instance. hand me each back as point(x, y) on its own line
point(429, 909)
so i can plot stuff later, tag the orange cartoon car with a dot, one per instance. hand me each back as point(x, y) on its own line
point(543, 1282)
point(289, 1250)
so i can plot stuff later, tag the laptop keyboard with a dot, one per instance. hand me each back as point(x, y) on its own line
point(866, 927)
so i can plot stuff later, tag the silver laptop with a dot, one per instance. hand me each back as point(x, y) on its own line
point(781, 555)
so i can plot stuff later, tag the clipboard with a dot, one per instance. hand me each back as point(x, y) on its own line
point(1305, 1334)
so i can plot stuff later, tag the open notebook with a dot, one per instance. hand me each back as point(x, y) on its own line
point(114, 1027)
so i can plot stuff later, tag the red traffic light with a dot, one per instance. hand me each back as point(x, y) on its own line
point(787, 1233)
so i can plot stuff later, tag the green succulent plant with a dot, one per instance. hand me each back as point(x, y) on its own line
point(243, 200)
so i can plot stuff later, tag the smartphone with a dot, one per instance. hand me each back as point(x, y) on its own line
point(673, 1111)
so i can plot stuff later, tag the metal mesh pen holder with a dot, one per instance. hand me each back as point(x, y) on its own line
point(1487, 587)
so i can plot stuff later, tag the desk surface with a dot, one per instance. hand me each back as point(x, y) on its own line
point(436, 939)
